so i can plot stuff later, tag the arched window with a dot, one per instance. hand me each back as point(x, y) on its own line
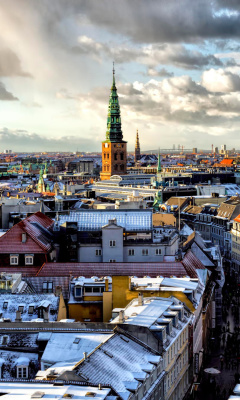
point(122, 156)
point(122, 167)
point(116, 167)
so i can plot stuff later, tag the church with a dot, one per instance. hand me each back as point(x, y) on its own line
point(114, 148)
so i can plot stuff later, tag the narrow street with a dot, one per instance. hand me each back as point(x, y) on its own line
point(225, 350)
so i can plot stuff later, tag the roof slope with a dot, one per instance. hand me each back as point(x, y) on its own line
point(116, 362)
point(38, 240)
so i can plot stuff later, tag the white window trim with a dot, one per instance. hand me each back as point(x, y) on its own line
point(30, 256)
point(112, 243)
point(158, 252)
point(144, 252)
point(131, 252)
point(112, 261)
point(13, 257)
point(98, 252)
point(20, 369)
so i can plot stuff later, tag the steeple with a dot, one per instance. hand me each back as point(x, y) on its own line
point(114, 128)
point(137, 148)
point(159, 167)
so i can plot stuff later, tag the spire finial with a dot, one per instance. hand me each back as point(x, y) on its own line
point(113, 74)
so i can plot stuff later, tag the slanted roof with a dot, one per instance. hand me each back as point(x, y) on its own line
point(117, 362)
point(173, 268)
point(38, 240)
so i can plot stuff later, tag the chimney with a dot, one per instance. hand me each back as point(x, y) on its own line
point(99, 386)
point(140, 299)
point(85, 355)
point(24, 237)
point(45, 316)
point(121, 317)
point(58, 290)
point(106, 285)
point(18, 316)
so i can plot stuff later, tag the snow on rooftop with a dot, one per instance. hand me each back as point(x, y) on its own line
point(61, 346)
point(146, 314)
point(92, 220)
point(22, 390)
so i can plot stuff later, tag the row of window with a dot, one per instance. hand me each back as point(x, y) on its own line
point(131, 252)
point(14, 259)
point(176, 346)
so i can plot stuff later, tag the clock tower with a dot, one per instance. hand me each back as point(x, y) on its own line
point(114, 148)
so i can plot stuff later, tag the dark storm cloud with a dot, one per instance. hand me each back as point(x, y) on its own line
point(10, 64)
point(5, 95)
point(23, 140)
point(147, 22)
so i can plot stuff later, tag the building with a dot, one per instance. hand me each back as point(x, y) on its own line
point(114, 148)
point(28, 243)
point(162, 324)
point(137, 149)
point(235, 234)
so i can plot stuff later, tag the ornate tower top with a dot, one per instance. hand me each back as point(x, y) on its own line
point(137, 148)
point(114, 128)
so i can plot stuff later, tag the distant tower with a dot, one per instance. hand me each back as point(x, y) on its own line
point(114, 148)
point(137, 148)
point(159, 167)
point(41, 184)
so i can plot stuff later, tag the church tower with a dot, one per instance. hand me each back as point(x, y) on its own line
point(114, 148)
point(137, 149)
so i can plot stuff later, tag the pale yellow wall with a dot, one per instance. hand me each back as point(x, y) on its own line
point(62, 309)
point(107, 306)
point(122, 295)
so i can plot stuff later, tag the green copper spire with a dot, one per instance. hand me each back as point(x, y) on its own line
point(114, 128)
point(159, 167)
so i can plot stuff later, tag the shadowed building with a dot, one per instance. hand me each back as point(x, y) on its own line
point(114, 148)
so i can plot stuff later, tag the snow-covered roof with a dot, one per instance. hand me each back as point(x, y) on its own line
point(71, 346)
point(118, 361)
point(20, 390)
point(9, 304)
point(92, 220)
point(146, 314)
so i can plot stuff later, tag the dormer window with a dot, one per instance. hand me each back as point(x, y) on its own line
point(14, 259)
point(21, 308)
point(29, 259)
point(5, 340)
point(5, 305)
point(30, 310)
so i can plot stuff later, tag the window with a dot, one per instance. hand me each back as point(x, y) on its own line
point(115, 156)
point(112, 243)
point(30, 310)
point(5, 305)
point(47, 287)
point(14, 259)
point(158, 252)
point(20, 308)
point(96, 289)
point(98, 252)
point(145, 252)
point(88, 289)
point(78, 291)
point(131, 252)
point(112, 261)
point(28, 260)
point(22, 372)
point(4, 340)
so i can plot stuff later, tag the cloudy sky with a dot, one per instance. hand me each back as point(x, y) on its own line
point(177, 71)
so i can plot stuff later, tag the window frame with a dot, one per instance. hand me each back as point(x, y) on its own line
point(30, 256)
point(21, 371)
point(112, 243)
point(14, 256)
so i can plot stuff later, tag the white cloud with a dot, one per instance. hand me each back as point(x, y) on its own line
point(220, 81)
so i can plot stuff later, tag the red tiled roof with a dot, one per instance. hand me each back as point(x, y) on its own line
point(191, 263)
point(36, 241)
point(237, 219)
point(25, 271)
point(165, 269)
point(226, 161)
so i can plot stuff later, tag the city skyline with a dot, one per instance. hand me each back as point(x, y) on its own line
point(177, 73)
